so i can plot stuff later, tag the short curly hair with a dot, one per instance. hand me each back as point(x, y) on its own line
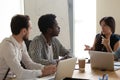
point(45, 22)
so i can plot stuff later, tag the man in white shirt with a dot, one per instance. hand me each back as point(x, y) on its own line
point(13, 51)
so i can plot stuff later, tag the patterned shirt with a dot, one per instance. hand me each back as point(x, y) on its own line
point(38, 50)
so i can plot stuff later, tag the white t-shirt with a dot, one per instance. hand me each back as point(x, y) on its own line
point(50, 53)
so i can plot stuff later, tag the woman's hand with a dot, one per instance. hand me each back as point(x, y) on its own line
point(105, 41)
point(87, 47)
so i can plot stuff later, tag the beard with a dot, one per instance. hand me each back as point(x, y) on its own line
point(25, 37)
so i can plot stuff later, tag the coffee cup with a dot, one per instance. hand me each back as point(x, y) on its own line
point(81, 63)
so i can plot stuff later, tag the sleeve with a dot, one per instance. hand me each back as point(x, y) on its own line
point(114, 39)
point(11, 56)
point(35, 52)
point(27, 61)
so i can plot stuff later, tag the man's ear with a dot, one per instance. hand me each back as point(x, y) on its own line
point(24, 30)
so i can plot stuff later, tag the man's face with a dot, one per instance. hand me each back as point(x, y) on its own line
point(26, 36)
point(55, 29)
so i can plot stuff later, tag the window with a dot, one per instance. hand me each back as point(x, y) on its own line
point(8, 9)
point(85, 25)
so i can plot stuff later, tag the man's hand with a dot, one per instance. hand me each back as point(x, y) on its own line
point(65, 57)
point(50, 69)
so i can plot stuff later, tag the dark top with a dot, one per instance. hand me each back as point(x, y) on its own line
point(100, 47)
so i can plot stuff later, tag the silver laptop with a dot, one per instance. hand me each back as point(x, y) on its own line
point(65, 68)
point(103, 61)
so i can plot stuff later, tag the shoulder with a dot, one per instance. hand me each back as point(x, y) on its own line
point(115, 37)
point(54, 39)
point(37, 39)
point(98, 35)
point(7, 42)
point(7, 45)
point(37, 42)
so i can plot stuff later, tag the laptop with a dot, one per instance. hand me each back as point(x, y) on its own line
point(65, 69)
point(103, 61)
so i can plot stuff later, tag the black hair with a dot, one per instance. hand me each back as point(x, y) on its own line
point(110, 22)
point(45, 22)
point(19, 22)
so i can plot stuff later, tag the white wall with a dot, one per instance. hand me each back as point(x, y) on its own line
point(36, 8)
point(8, 9)
point(108, 8)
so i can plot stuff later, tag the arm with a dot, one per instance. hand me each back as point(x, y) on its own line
point(12, 59)
point(106, 43)
point(61, 50)
point(117, 53)
point(117, 45)
point(46, 70)
point(29, 64)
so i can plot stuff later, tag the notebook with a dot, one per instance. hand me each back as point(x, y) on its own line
point(65, 68)
point(103, 60)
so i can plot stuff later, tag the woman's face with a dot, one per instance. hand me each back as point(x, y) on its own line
point(105, 28)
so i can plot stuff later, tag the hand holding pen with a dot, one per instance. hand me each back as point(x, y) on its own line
point(105, 41)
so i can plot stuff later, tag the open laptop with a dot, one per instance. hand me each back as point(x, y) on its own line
point(103, 60)
point(65, 68)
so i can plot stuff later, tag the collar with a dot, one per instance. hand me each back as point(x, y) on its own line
point(44, 39)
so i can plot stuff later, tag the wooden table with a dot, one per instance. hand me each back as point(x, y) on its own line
point(93, 74)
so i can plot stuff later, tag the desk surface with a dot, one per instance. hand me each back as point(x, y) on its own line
point(94, 74)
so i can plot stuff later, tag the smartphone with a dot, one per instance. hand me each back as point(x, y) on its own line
point(102, 35)
point(68, 78)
